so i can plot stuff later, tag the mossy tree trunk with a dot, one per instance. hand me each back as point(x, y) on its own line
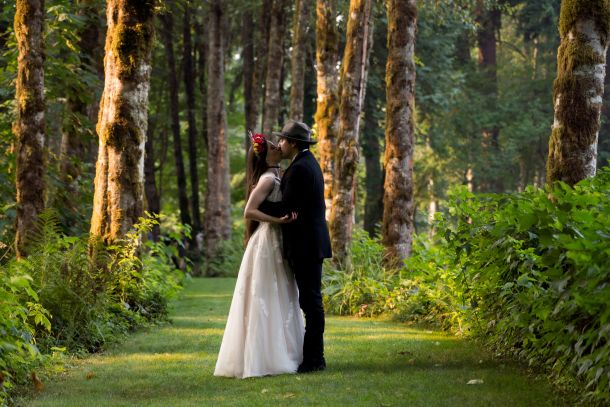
point(167, 34)
point(275, 60)
point(122, 124)
point(29, 128)
point(300, 27)
point(489, 20)
point(584, 27)
point(351, 93)
point(217, 221)
point(327, 105)
point(189, 90)
point(398, 203)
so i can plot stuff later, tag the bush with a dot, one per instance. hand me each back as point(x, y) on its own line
point(59, 297)
point(534, 268)
point(527, 273)
point(20, 313)
point(363, 289)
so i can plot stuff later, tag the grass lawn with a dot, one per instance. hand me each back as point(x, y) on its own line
point(371, 362)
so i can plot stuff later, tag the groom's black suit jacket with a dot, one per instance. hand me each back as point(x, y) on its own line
point(302, 189)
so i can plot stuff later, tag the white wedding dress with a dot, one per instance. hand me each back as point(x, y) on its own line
point(265, 330)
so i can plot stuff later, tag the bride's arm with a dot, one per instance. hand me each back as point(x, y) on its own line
point(257, 196)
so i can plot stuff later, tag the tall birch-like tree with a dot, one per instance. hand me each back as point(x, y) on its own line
point(167, 34)
point(351, 92)
point(584, 28)
point(119, 181)
point(300, 27)
point(29, 128)
point(275, 59)
point(398, 203)
point(327, 104)
point(217, 220)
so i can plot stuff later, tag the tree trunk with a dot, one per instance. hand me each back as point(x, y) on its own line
point(351, 91)
point(248, 76)
point(201, 46)
point(578, 90)
point(297, 71)
point(275, 59)
point(217, 223)
point(399, 206)
point(327, 107)
point(490, 21)
point(77, 141)
point(168, 37)
point(251, 93)
point(122, 123)
point(29, 128)
point(262, 51)
point(150, 186)
point(189, 87)
point(373, 206)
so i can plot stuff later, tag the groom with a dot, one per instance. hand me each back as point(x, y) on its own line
point(306, 241)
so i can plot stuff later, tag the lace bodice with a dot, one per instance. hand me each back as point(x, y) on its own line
point(275, 195)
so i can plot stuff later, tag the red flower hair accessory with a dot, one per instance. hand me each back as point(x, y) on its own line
point(259, 143)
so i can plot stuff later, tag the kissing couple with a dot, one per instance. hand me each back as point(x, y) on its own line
point(281, 270)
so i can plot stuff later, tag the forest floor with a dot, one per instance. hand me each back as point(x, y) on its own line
point(371, 362)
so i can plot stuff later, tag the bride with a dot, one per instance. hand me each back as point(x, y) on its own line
point(264, 332)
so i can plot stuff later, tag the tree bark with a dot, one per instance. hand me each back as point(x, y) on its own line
point(189, 87)
point(119, 181)
point(29, 128)
point(297, 62)
point(168, 36)
point(275, 59)
point(201, 46)
point(327, 106)
point(260, 69)
point(150, 186)
point(399, 206)
point(489, 21)
point(578, 90)
point(351, 90)
point(373, 206)
point(217, 222)
point(77, 141)
point(248, 75)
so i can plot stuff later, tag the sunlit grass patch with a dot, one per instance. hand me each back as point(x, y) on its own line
point(371, 362)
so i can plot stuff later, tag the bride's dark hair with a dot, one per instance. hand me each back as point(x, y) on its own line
point(256, 166)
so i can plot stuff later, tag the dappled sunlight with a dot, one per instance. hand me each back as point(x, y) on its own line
point(148, 357)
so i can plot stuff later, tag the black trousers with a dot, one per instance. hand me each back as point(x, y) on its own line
point(308, 274)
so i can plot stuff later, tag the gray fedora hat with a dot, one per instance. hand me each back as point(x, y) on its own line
point(298, 131)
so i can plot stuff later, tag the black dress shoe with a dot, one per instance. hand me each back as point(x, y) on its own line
point(311, 366)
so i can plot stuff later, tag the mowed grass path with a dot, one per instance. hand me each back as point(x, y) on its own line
point(371, 362)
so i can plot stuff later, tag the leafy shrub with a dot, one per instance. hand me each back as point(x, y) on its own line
point(528, 273)
point(20, 313)
point(534, 268)
point(363, 289)
point(61, 298)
